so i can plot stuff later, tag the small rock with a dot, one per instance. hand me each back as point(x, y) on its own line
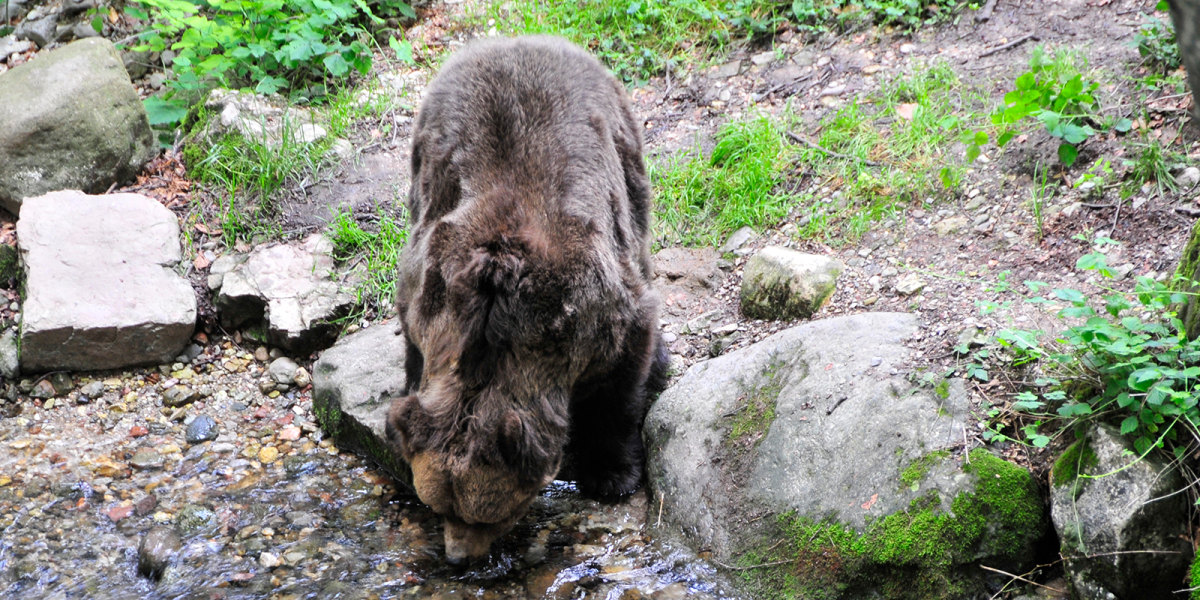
point(310, 132)
point(727, 70)
point(1188, 178)
point(156, 551)
point(93, 390)
point(194, 518)
point(116, 513)
point(289, 433)
point(909, 284)
point(268, 454)
point(737, 240)
point(202, 429)
point(138, 431)
point(283, 370)
point(268, 560)
point(763, 58)
point(42, 390)
point(950, 225)
point(145, 506)
point(179, 395)
point(9, 355)
point(261, 354)
point(41, 31)
point(146, 459)
point(10, 45)
point(302, 378)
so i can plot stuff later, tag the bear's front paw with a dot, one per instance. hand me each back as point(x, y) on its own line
point(611, 485)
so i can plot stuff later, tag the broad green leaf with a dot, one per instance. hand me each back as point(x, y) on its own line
point(163, 112)
point(1072, 87)
point(1067, 154)
point(1129, 425)
point(1142, 379)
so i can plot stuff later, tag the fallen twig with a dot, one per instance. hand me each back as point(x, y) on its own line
point(1188, 211)
point(758, 566)
point(817, 147)
point(1012, 44)
point(985, 13)
point(1018, 577)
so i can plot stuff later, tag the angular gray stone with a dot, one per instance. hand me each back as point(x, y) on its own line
point(10, 365)
point(290, 291)
point(101, 290)
point(780, 284)
point(737, 240)
point(354, 383)
point(10, 45)
point(1126, 517)
point(70, 120)
point(283, 370)
point(812, 430)
point(39, 31)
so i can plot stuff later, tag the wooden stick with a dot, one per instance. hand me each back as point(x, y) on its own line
point(1012, 44)
point(985, 13)
point(1018, 577)
point(800, 140)
point(758, 566)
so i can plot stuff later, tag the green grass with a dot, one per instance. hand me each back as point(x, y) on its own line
point(374, 250)
point(877, 154)
point(1151, 162)
point(638, 38)
point(887, 151)
point(699, 200)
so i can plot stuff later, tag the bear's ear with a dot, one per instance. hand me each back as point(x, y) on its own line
point(407, 426)
point(522, 449)
point(480, 295)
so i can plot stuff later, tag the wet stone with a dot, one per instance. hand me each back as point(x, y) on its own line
point(92, 390)
point(194, 518)
point(202, 429)
point(42, 389)
point(146, 459)
point(283, 370)
point(179, 395)
point(156, 551)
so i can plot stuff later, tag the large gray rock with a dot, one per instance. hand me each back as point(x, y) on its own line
point(816, 468)
point(100, 287)
point(779, 283)
point(292, 292)
point(70, 120)
point(354, 383)
point(1122, 526)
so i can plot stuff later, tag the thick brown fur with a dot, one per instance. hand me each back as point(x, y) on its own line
point(524, 289)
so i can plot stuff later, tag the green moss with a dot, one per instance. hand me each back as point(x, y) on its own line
point(921, 553)
point(912, 475)
point(1078, 458)
point(1194, 578)
point(756, 416)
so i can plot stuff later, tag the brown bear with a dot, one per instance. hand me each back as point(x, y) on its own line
point(524, 288)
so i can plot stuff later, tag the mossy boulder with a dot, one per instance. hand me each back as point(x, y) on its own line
point(811, 467)
point(1122, 526)
point(354, 383)
point(779, 283)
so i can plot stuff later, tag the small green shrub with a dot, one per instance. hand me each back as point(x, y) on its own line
point(298, 46)
point(1054, 92)
point(908, 14)
point(1124, 358)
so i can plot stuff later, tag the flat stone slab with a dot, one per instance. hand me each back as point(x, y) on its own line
point(101, 289)
point(354, 383)
point(291, 291)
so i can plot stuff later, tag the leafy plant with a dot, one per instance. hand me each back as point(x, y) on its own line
point(1152, 163)
point(1124, 358)
point(1155, 41)
point(1056, 95)
point(909, 14)
point(299, 46)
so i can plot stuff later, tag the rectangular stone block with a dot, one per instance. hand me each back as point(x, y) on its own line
point(100, 282)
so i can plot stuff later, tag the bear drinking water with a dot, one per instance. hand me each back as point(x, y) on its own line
point(524, 289)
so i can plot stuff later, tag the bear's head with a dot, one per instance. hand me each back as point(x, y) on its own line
point(480, 472)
